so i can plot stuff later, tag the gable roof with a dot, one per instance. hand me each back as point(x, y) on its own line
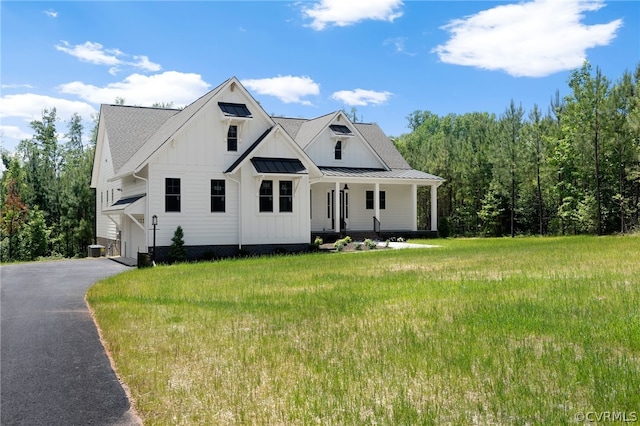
point(129, 127)
point(136, 133)
point(167, 130)
point(304, 130)
point(254, 146)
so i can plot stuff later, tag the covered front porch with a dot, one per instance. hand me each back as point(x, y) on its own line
point(371, 207)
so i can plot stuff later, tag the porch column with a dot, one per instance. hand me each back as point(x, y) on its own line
point(376, 201)
point(336, 206)
point(414, 207)
point(434, 208)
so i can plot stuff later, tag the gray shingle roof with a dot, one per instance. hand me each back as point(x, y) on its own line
point(128, 128)
point(290, 125)
point(135, 133)
point(164, 132)
point(382, 145)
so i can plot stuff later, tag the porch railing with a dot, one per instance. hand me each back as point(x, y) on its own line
point(376, 225)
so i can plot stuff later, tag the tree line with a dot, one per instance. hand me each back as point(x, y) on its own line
point(572, 169)
point(48, 206)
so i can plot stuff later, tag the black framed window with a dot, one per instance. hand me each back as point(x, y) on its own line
point(232, 138)
point(266, 196)
point(369, 200)
point(338, 150)
point(172, 194)
point(286, 196)
point(217, 195)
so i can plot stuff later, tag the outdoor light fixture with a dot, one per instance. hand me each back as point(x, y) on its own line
point(346, 187)
point(154, 222)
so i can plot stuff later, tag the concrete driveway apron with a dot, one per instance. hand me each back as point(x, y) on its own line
point(53, 368)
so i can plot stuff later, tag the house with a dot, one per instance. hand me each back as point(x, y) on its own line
point(235, 178)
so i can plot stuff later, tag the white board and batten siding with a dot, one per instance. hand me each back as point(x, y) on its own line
point(274, 227)
point(196, 155)
point(105, 227)
point(355, 152)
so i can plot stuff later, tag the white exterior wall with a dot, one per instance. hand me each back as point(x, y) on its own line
point(105, 227)
point(196, 155)
point(395, 215)
point(274, 227)
point(355, 153)
point(200, 225)
point(132, 186)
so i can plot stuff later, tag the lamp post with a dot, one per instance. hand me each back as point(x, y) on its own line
point(154, 222)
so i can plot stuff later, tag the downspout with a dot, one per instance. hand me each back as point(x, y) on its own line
point(146, 215)
point(239, 211)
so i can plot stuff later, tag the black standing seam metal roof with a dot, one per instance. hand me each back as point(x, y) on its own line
point(128, 200)
point(340, 129)
point(278, 165)
point(234, 110)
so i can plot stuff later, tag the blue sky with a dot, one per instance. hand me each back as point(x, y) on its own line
point(387, 58)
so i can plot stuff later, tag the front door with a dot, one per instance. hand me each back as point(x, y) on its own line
point(344, 209)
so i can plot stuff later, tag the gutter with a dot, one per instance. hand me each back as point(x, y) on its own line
point(146, 215)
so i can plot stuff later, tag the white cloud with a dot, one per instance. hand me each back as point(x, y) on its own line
point(13, 132)
point(398, 44)
point(16, 86)
point(29, 106)
point(361, 97)
point(348, 12)
point(51, 13)
point(288, 88)
point(532, 39)
point(17, 111)
point(97, 54)
point(136, 89)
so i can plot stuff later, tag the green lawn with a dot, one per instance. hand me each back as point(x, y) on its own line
point(501, 331)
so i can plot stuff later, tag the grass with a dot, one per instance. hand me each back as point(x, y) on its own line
point(487, 331)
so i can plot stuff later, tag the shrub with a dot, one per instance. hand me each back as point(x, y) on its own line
point(177, 252)
point(358, 246)
point(371, 245)
point(443, 228)
point(342, 242)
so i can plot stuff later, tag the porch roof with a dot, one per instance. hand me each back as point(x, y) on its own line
point(351, 172)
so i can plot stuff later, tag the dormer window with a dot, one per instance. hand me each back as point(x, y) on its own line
point(232, 138)
point(338, 150)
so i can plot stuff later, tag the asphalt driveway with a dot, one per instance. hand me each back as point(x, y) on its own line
point(53, 368)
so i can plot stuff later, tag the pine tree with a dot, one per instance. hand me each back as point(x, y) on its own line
point(177, 252)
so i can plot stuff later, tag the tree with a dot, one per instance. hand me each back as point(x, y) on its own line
point(177, 252)
point(586, 124)
point(14, 211)
point(534, 132)
point(36, 235)
point(509, 156)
